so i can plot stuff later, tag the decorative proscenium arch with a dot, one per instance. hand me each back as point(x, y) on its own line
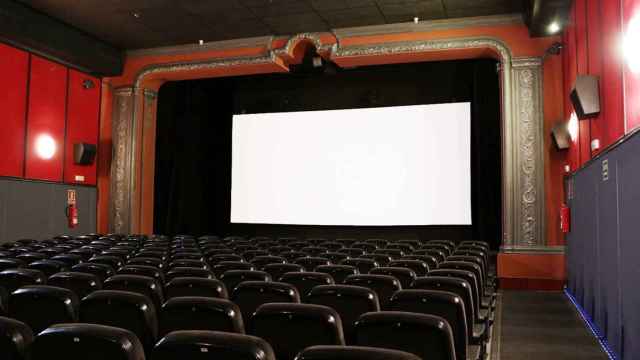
point(522, 122)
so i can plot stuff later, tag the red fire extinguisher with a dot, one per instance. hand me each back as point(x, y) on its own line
point(72, 209)
point(565, 218)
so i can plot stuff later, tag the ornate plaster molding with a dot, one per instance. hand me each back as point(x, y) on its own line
point(260, 41)
point(523, 177)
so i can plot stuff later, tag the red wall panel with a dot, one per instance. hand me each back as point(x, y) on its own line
point(46, 118)
point(631, 12)
point(14, 68)
point(83, 106)
point(611, 89)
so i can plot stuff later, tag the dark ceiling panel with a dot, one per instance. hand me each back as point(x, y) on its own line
point(132, 24)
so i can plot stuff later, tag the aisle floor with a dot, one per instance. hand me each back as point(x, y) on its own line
point(541, 326)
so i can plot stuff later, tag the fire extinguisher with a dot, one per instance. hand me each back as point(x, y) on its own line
point(565, 218)
point(72, 209)
point(72, 216)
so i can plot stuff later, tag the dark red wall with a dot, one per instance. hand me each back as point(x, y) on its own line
point(592, 41)
point(631, 11)
point(13, 103)
point(44, 98)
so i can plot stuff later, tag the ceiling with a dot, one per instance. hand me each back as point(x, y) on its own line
point(134, 24)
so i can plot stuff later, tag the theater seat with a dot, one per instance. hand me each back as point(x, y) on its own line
point(277, 270)
point(349, 301)
point(199, 313)
point(427, 336)
point(102, 271)
point(337, 272)
point(143, 270)
point(249, 295)
point(13, 279)
point(225, 266)
point(123, 309)
point(193, 286)
point(381, 259)
point(329, 352)
point(448, 306)
point(209, 345)
point(419, 267)
point(15, 339)
point(404, 275)
point(290, 328)
point(188, 272)
point(143, 285)
point(383, 285)
point(82, 284)
point(48, 267)
point(312, 262)
point(86, 341)
point(261, 261)
point(363, 265)
point(232, 278)
point(305, 281)
point(41, 306)
point(69, 259)
point(11, 263)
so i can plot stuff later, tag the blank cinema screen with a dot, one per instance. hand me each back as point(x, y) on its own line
point(402, 165)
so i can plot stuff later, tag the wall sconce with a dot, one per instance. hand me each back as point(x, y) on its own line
point(45, 146)
point(630, 44)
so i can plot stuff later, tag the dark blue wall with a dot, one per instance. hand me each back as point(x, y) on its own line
point(603, 247)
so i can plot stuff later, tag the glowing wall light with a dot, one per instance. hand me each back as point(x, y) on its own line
point(631, 41)
point(572, 126)
point(45, 147)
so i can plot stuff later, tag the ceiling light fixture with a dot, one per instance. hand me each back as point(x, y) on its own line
point(416, 20)
point(200, 42)
point(136, 15)
point(554, 27)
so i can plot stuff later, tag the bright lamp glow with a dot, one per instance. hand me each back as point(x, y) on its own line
point(572, 126)
point(630, 44)
point(45, 147)
point(553, 28)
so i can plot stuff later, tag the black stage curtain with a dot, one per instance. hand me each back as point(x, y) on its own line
point(193, 145)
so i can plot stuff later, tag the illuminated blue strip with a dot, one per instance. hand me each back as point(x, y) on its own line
point(592, 326)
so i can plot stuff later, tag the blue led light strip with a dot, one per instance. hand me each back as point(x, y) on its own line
point(595, 331)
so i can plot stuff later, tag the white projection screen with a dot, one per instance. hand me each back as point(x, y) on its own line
point(401, 165)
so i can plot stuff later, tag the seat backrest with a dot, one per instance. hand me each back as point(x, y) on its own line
point(252, 254)
point(467, 266)
point(113, 261)
point(200, 313)
point(290, 328)
point(232, 278)
point(367, 247)
point(48, 267)
point(86, 341)
point(225, 266)
point(394, 253)
point(305, 281)
point(431, 251)
point(312, 262)
point(11, 263)
point(214, 260)
point(419, 267)
point(193, 286)
point(442, 247)
point(143, 285)
point(249, 295)
point(206, 345)
point(384, 285)
point(352, 252)
point(277, 270)
point(404, 275)
point(337, 272)
point(146, 260)
point(447, 305)
point(124, 309)
point(15, 339)
point(349, 301)
point(454, 285)
point(332, 352)
point(464, 275)
point(41, 306)
point(431, 261)
point(292, 256)
point(261, 261)
point(381, 259)
point(428, 336)
point(187, 263)
point(363, 265)
point(29, 257)
point(102, 271)
point(188, 272)
point(82, 284)
point(13, 279)
point(69, 259)
point(144, 270)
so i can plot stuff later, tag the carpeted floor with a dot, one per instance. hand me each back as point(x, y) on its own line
point(541, 326)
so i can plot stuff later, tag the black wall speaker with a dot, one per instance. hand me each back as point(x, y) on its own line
point(84, 154)
point(585, 96)
point(561, 136)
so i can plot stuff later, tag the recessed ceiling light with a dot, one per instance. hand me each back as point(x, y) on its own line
point(200, 42)
point(136, 15)
point(553, 28)
point(415, 20)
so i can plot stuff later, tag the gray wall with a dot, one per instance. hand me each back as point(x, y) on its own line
point(34, 209)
